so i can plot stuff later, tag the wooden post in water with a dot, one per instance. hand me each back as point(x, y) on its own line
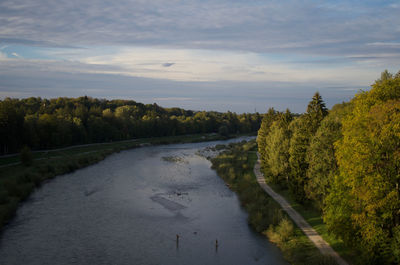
point(216, 245)
point(177, 241)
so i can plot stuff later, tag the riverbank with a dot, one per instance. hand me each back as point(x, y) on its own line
point(129, 208)
point(17, 181)
point(310, 232)
point(235, 166)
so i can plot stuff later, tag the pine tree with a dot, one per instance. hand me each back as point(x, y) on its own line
point(303, 129)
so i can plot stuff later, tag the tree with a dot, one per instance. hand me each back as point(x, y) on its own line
point(41, 123)
point(385, 75)
point(364, 205)
point(223, 130)
point(264, 130)
point(11, 126)
point(303, 129)
point(297, 150)
point(322, 165)
point(316, 112)
point(277, 147)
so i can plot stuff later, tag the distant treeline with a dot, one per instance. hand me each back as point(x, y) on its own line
point(48, 123)
point(346, 162)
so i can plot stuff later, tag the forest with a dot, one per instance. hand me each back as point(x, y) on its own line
point(345, 162)
point(49, 123)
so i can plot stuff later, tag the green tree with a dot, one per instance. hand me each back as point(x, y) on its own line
point(11, 126)
point(364, 205)
point(322, 165)
point(385, 75)
point(223, 130)
point(297, 150)
point(277, 147)
point(264, 130)
point(303, 129)
point(316, 112)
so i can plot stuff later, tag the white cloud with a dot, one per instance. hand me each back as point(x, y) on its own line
point(300, 43)
point(308, 27)
point(384, 44)
point(208, 66)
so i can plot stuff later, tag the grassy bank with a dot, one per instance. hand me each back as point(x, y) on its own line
point(314, 218)
point(17, 181)
point(235, 166)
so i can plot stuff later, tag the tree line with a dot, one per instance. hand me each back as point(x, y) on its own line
point(49, 123)
point(346, 163)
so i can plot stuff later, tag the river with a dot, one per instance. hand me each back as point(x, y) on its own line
point(129, 208)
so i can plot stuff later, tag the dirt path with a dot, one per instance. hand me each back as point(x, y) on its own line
point(319, 242)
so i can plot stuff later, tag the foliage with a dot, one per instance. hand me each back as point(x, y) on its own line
point(347, 163)
point(262, 134)
point(277, 148)
point(45, 124)
point(282, 232)
point(223, 130)
point(235, 166)
point(303, 129)
point(322, 165)
point(298, 165)
point(364, 205)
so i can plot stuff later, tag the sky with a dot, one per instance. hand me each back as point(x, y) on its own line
point(237, 55)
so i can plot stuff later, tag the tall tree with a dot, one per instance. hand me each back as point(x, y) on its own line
point(264, 130)
point(11, 126)
point(364, 205)
point(277, 147)
point(303, 128)
point(322, 165)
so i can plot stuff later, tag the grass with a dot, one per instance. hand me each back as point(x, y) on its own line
point(235, 166)
point(314, 218)
point(17, 181)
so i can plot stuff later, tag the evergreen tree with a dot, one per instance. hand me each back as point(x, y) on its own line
point(303, 128)
point(297, 150)
point(316, 112)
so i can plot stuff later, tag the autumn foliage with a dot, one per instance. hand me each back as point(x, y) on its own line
point(346, 162)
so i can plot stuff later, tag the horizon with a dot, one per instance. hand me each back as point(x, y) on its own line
point(241, 56)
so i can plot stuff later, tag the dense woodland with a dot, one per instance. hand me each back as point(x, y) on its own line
point(346, 162)
point(48, 123)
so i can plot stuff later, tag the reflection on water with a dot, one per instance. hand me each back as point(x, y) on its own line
point(153, 205)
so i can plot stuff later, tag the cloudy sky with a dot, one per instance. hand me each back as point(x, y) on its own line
point(238, 55)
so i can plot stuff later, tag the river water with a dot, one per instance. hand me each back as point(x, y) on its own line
point(129, 208)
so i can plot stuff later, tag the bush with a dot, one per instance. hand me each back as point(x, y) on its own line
point(281, 233)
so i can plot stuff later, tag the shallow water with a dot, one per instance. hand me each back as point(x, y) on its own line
point(129, 208)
